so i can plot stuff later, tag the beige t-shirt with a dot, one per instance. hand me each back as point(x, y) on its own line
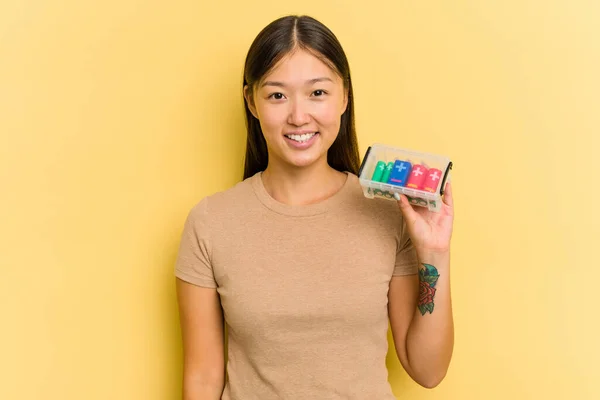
point(304, 289)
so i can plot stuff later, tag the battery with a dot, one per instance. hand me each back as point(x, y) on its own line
point(417, 177)
point(387, 172)
point(432, 180)
point(379, 170)
point(400, 173)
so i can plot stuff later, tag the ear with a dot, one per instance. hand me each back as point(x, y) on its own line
point(250, 100)
point(345, 103)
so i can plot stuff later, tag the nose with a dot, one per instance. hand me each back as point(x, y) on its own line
point(298, 114)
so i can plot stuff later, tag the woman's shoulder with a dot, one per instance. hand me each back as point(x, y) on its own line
point(224, 202)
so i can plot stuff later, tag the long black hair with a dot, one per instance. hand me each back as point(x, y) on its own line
point(275, 41)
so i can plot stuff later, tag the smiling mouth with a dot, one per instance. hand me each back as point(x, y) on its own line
point(305, 137)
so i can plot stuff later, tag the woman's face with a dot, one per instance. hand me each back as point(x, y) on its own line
point(299, 105)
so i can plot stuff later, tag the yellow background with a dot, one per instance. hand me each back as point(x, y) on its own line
point(117, 116)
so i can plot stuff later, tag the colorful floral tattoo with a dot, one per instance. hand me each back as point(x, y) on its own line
point(428, 277)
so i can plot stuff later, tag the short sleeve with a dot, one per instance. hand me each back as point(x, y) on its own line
point(193, 263)
point(407, 262)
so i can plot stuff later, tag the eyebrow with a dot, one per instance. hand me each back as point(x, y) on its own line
point(308, 82)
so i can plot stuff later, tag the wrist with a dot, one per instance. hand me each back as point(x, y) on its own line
point(433, 257)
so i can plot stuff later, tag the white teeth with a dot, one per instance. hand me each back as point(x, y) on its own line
point(301, 138)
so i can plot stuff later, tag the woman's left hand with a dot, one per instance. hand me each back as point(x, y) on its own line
point(429, 231)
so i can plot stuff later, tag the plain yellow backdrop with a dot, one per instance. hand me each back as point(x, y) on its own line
point(117, 116)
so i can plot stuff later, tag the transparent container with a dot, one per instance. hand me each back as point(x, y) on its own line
point(422, 177)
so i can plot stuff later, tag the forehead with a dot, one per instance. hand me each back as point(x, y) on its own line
point(300, 66)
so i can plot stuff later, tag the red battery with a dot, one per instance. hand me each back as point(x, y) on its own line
point(432, 180)
point(417, 177)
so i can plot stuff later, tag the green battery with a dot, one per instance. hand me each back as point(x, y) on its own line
point(379, 170)
point(387, 172)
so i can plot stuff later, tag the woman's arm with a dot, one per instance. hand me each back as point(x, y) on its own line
point(201, 319)
point(420, 310)
point(420, 305)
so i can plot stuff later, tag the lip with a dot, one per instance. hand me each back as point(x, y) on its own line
point(302, 132)
point(301, 146)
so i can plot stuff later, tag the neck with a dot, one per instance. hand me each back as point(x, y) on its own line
point(302, 186)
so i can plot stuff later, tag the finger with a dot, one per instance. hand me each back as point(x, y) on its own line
point(410, 215)
point(447, 198)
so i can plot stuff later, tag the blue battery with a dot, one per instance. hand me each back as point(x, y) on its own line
point(400, 173)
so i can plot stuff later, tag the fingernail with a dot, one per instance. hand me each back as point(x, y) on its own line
point(397, 196)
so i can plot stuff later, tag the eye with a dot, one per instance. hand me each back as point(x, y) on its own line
point(276, 96)
point(319, 92)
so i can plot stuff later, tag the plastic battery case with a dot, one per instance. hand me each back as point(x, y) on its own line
point(422, 177)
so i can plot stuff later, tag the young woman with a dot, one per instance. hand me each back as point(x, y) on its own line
point(301, 268)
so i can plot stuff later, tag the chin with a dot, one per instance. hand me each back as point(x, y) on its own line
point(304, 161)
point(297, 158)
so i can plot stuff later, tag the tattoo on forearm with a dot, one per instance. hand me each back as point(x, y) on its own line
point(428, 277)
